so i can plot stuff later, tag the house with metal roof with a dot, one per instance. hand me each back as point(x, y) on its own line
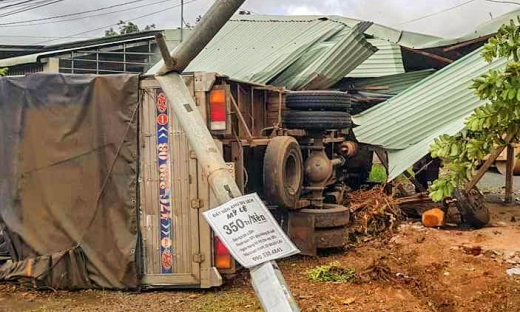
point(129, 53)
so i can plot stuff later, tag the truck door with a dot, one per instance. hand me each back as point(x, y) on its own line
point(170, 217)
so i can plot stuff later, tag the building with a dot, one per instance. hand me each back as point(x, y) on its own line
point(130, 53)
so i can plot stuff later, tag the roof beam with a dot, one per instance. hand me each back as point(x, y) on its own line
point(466, 43)
point(430, 55)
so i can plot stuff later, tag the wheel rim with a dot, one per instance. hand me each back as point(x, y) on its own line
point(292, 174)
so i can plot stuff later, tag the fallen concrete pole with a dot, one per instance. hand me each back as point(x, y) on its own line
point(220, 179)
point(210, 24)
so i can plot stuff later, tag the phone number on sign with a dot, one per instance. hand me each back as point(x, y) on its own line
point(267, 254)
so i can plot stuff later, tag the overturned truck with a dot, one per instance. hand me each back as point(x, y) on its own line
point(100, 188)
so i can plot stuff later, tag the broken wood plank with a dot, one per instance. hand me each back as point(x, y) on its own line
point(509, 173)
point(488, 164)
point(430, 55)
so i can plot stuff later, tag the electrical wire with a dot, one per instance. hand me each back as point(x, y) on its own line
point(88, 16)
point(429, 15)
point(23, 4)
point(115, 24)
point(30, 8)
point(15, 4)
point(72, 14)
point(49, 37)
point(503, 2)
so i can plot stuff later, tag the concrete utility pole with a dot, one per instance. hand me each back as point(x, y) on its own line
point(182, 20)
point(221, 181)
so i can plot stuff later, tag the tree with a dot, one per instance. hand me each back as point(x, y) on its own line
point(126, 28)
point(3, 72)
point(149, 27)
point(489, 124)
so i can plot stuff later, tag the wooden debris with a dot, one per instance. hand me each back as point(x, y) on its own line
point(373, 212)
point(434, 218)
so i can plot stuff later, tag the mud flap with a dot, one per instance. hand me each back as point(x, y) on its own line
point(302, 233)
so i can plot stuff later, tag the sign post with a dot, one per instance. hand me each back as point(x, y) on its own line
point(254, 238)
point(249, 231)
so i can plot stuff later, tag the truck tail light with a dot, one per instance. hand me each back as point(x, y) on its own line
point(217, 106)
point(223, 258)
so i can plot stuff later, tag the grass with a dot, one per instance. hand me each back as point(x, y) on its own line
point(377, 174)
point(332, 272)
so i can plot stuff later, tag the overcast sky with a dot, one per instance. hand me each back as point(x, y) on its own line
point(450, 23)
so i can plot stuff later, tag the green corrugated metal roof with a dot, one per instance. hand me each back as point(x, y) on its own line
point(295, 53)
point(395, 83)
point(401, 37)
point(407, 123)
point(325, 63)
point(483, 30)
point(388, 60)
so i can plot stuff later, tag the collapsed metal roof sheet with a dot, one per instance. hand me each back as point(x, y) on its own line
point(403, 38)
point(296, 53)
point(482, 31)
point(388, 60)
point(391, 84)
point(325, 63)
point(406, 124)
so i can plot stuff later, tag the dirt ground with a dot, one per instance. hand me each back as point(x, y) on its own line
point(414, 269)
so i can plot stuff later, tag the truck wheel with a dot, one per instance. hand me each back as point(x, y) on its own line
point(318, 100)
point(331, 216)
point(4, 248)
point(317, 120)
point(471, 207)
point(283, 172)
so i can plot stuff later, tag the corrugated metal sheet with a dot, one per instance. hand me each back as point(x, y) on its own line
point(404, 38)
point(388, 60)
point(401, 160)
point(395, 84)
point(483, 30)
point(436, 105)
point(325, 63)
point(282, 51)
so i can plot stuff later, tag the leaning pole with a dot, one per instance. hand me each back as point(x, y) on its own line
point(208, 155)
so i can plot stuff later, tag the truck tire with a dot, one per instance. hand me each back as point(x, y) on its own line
point(471, 207)
point(318, 100)
point(317, 120)
point(4, 248)
point(331, 216)
point(283, 172)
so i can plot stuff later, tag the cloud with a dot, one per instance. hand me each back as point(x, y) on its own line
point(304, 10)
point(387, 12)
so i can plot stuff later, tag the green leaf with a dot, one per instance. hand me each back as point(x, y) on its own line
point(454, 150)
point(512, 94)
